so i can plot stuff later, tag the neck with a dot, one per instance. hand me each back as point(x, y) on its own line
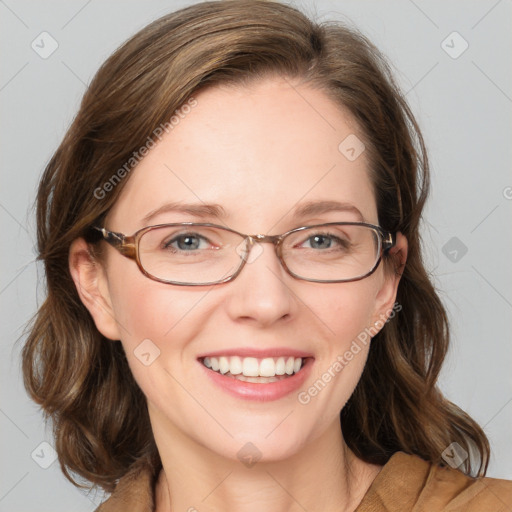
point(323, 476)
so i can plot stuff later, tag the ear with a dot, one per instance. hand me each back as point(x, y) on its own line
point(92, 286)
point(386, 295)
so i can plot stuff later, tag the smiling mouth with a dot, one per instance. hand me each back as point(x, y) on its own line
point(252, 369)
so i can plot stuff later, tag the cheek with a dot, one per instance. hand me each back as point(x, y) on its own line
point(157, 323)
point(147, 310)
point(347, 309)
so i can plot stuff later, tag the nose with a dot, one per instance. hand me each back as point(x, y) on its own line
point(261, 293)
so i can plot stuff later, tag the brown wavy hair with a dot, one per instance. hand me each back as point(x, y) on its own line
point(82, 380)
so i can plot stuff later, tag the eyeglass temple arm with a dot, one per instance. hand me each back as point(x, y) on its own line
point(124, 244)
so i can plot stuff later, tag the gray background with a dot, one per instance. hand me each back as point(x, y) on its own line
point(463, 105)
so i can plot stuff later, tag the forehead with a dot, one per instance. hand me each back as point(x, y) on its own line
point(259, 152)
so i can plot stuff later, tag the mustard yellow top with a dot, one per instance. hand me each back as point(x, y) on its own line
point(406, 483)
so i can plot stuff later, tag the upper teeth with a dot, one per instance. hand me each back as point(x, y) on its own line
point(253, 367)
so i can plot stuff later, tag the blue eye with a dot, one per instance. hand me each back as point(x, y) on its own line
point(319, 240)
point(326, 241)
point(185, 242)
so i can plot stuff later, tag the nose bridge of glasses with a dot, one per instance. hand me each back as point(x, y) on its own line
point(252, 240)
point(273, 239)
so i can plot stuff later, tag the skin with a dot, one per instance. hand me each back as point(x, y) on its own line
point(258, 151)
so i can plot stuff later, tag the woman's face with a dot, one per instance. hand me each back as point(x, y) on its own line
point(260, 153)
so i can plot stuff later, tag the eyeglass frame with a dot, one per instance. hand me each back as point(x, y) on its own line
point(128, 246)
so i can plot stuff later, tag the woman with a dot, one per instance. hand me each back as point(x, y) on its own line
point(238, 316)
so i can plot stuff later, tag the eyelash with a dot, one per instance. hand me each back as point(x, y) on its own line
point(166, 245)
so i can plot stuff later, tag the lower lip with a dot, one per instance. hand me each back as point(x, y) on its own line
point(264, 392)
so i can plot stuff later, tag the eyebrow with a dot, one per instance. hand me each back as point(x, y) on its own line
point(196, 210)
point(217, 211)
point(318, 207)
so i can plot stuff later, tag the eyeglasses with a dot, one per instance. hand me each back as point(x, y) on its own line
point(199, 254)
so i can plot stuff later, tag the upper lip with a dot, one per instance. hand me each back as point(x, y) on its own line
point(258, 353)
